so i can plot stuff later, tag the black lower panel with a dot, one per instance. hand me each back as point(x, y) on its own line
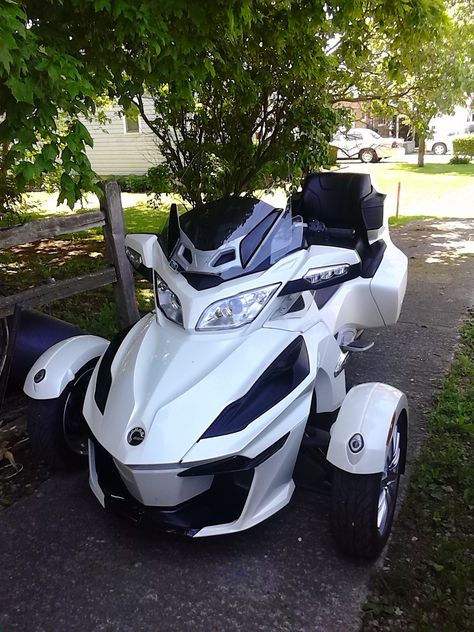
point(223, 502)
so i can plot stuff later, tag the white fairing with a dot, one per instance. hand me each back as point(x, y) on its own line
point(369, 410)
point(389, 284)
point(60, 363)
point(217, 408)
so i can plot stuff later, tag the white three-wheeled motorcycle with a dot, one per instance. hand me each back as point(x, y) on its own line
point(193, 419)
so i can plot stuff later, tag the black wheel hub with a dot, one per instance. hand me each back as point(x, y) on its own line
point(74, 424)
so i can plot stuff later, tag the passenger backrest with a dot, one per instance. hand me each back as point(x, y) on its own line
point(342, 200)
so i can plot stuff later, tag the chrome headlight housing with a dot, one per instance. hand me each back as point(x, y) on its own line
point(167, 301)
point(236, 311)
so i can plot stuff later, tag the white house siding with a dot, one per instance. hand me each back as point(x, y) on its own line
point(455, 123)
point(118, 153)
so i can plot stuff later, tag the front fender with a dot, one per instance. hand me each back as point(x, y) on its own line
point(370, 410)
point(60, 363)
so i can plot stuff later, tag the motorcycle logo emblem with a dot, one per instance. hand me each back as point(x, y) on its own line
point(136, 436)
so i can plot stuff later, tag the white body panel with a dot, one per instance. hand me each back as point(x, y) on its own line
point(370, 410)
point(61, 361)
point(389, 285)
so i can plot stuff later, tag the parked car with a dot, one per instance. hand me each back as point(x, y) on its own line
point(440, 144)
point(364, 144)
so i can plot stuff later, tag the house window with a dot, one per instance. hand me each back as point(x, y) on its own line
point(132, 125)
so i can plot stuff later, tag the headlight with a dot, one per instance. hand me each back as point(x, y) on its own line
point(167, 301)
point(237, 310)
point(318, 275)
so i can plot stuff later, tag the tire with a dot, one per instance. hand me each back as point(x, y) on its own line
point(57, 428)
point(363, 505)
point(368, 155)
point(439, 149)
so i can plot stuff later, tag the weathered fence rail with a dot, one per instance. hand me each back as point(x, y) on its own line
point(44, 294)
point(47, 228)
point(110, 217)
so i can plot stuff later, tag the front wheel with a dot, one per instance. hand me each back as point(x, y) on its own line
point(363, 505)
point(368, 155)
point(439, 149)
point(57, 428)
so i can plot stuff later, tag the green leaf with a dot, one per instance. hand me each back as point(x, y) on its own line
point(49, 152)
point(5, 56)
point(22, 91)
point(100, 5)
point(27, 171)
point(209, 67)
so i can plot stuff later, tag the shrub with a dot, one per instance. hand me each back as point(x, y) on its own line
point(464, 145)
point(460, 160)
point(160, 179)
point(157, 181)
point(132, 183)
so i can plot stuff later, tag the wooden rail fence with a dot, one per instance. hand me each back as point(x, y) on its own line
point(118, 272)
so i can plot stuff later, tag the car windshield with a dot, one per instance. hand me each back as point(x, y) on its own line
point(232, 237)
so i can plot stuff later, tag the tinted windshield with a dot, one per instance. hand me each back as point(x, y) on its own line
point(234, 236)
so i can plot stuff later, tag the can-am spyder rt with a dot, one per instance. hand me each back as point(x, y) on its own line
point(196, 414)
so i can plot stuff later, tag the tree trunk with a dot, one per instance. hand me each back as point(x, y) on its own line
point(421, 151)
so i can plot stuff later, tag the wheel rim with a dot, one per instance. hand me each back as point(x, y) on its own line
point(366, 156)
point(389, 483)
point(74, 425)
point(439, 150)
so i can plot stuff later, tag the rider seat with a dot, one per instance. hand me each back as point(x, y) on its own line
point(340, 210)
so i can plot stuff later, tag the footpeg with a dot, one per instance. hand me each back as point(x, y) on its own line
point(357, 345)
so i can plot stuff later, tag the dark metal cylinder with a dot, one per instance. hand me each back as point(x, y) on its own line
point(36, 332)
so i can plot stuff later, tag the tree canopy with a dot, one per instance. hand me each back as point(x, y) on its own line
point(56, 58)
point(243, 89)
point(265, 109)
point(436, 76)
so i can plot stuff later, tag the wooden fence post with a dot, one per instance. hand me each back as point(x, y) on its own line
point(114, 233)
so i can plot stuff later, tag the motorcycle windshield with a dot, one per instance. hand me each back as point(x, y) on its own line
point(234, 237)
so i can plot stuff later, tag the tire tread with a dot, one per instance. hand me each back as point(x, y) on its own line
point(354, 514)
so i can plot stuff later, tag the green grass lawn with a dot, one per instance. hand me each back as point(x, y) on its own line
point(436, 189)
point(145, 219)
point(428, 580)
point(432, 180)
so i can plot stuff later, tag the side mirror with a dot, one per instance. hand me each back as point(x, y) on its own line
point(139, 250)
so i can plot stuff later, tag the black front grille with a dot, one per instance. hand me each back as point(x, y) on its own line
point(223, 502)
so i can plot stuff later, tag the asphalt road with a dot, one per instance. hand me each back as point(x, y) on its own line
point(68, 566)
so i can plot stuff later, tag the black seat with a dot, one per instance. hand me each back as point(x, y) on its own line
point(346, 202)
point(339, 209)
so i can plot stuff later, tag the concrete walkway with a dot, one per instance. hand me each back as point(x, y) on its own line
point(67, 566)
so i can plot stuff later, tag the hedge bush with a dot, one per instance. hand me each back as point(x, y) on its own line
point(131, 183)
point(460, 160)
point(464, 145)
point(157, 180)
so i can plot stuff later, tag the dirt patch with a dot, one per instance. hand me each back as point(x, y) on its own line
point(21, 471)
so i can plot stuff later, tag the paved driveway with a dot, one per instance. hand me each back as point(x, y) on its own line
point(67, 566)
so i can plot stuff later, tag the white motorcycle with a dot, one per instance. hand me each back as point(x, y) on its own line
point(193, 419)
